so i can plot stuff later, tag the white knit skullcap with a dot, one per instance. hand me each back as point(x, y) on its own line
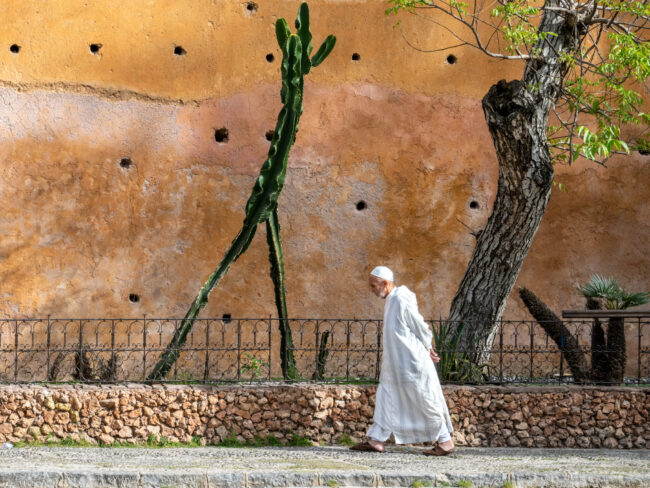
point(382, 272)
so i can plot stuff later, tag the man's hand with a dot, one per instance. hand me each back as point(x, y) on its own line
point(434, 357)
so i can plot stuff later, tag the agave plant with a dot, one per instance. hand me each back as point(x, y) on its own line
point(615, 297)
point(608, 353)
point(455, 365)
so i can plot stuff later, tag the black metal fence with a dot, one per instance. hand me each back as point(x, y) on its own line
point(228, 350)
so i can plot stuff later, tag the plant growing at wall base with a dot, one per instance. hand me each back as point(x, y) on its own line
point(607, 350)
point(254, 367)
point(263, 202)
point(455, 364)
point(608, 353)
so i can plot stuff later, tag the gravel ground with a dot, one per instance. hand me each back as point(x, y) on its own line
point(320, 466)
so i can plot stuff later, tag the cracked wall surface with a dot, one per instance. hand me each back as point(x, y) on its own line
point(84, 234)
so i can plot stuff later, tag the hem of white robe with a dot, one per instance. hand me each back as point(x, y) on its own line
point(379, 433)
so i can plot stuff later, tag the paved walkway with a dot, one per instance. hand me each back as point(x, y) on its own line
point(319, 466)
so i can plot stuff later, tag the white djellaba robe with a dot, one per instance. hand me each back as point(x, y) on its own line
point(409, 402)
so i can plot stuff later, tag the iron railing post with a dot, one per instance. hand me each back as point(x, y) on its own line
point(144, 347)
point(113, 359)
point(47, 348)
point(561, 359)
point(15, 351)
point(238, 349)
point(207, 352)
point(316, 345)
point(638, 354)
point(178, 349)
point(347, 352)
point(501, 352)
point(270, 350)
point(532, 346)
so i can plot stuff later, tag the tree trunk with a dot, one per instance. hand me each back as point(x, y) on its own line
point(616, 350)
point(516, 113)
point(517, 127)
point(599, 362)
point(599, 359)
point(557, 331)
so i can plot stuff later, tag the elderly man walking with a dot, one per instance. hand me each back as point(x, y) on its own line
point(409, 403)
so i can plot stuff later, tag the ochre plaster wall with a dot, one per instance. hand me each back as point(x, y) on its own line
point(400, 129)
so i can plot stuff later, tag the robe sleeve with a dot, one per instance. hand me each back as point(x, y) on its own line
point(415, 322)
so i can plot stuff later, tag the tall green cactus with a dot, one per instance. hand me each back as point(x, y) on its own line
point(263, 202)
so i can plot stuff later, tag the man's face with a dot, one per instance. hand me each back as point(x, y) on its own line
point(378, 286)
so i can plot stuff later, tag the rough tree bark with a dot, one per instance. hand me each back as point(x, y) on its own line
point(516, 113)
point(616, 350)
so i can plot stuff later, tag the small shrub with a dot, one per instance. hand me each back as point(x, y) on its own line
point(345, 440)
point(254, 367)
point(420, 484)
point(231, 441)
point(296, 441)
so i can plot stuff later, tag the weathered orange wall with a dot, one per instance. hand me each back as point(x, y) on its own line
point(399, 129)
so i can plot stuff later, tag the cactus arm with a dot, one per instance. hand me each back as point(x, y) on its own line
point(304, 32)
point(282, 33)
point(276, 259)
point(271, 179)
point(323, 51)
point(173, 350)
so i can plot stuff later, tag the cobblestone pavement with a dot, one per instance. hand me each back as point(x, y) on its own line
point(320, 466)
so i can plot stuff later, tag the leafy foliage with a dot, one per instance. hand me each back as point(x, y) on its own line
point(454, 364)
point(616, 298)
point(604, 75)
point(254, 367)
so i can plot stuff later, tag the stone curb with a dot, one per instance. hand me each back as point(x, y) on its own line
point(320, 467)
point(81, 479)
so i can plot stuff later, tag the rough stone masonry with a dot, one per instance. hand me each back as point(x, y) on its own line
point(492, 416)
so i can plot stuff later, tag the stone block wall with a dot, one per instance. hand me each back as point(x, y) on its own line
point(483, 416)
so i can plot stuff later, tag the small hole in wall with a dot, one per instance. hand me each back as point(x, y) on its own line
point(221, 135)
point(356, 57)
point(134, 298)
point(251, 6)
point(14, 48)
point(269, 135)
point(226, 317)
point(474, 204)
point(270, 58)
point(94, 48)
point(644, 152)
point(125, 163)
point(451, 59)
point(361, 205)
point(179, 51)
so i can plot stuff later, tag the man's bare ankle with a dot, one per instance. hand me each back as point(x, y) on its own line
point(447, 445)
point(376, 444)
